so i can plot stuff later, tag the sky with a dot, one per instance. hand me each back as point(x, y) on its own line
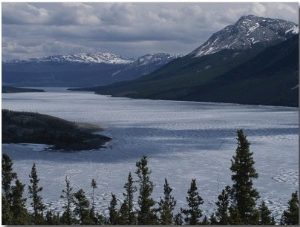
point(131, 30)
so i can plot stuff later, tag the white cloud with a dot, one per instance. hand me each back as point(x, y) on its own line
point(123, 28)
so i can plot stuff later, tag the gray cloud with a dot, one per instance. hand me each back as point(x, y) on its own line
point(128, 29)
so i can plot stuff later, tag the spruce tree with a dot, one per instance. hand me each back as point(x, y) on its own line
point(166, 206)
point(146, 214)
point(194, 200)
point(37, 204)
point(19, 212)
point(82, 208)
point(67, 217)
point(234, 216)
point(265, 217)
point(244, 196)
point(6, 214)
point(113, 213)
point(223, 203)
point(178, 219)
point(7, 176)
point(128, 214)
point(213, 220)
point(94, 186)
point(291, 215)
point(52, 218)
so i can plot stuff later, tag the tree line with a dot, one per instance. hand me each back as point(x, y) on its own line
point(236, 205)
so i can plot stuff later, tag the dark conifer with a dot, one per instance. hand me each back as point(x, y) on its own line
point(113, 213)
point(94, 186)
point(67, 217)
point(223, 203)
point(146, 214)
point(178, 219)
point(82, 208)
point(244, 196)
point(291, 215)
point(234, 216)
point(194, 200)
point(7, 176)
point(6, 214)
point(127, 212)
point(52, 218)
point(19, 212)
point(37, 204)
point(205, 221)
point(166, 206)
point(213, 220)
point(265, 217)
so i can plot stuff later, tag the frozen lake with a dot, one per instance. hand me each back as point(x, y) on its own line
point(182, 140)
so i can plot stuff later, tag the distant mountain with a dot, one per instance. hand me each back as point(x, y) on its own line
point(194, 75)
point(144, 65)
point(84, 69)
point(247, 32)
point(105, 58)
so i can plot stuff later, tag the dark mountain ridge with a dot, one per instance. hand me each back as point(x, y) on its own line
point(203, 78)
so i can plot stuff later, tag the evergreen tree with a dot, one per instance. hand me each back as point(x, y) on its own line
point(6, 214)
point(67, 217)
point(7, 176)
point(234, 216)
point(82, 208)
point(213, 220)
point(146, 214)
point(19, 212)
point(166, 206)
point(222, 213)
point(7, 179)
point(52, 219)
point(194, 200)
point(37, 204)
point(127, 212)
point(94, 186)
point(205, 221)
point(178, 219)
point(113, 213)
point(291, 215)
point(244, 196)
point(265, 215)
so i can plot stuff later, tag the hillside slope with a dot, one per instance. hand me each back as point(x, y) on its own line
point(202, 76)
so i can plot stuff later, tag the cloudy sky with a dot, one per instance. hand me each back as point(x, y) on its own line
point(127, 29)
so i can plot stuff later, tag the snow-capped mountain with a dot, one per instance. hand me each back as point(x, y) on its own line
point(145, 65)
point(84, 69)
point(246, 32)
point(99, 57)
point(159, 59)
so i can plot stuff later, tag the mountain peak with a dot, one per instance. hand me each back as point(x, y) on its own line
point(248, 31)
point(98, 57)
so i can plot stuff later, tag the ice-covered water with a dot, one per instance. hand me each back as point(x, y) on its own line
point(182, 140)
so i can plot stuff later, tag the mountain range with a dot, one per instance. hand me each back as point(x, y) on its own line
point(254, 61)
point(83, 69)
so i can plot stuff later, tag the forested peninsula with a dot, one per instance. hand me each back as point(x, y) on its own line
point(29, 127)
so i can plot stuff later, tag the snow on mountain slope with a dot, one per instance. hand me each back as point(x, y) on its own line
point(246, 32)
point(159, 59)
point(106, 58)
